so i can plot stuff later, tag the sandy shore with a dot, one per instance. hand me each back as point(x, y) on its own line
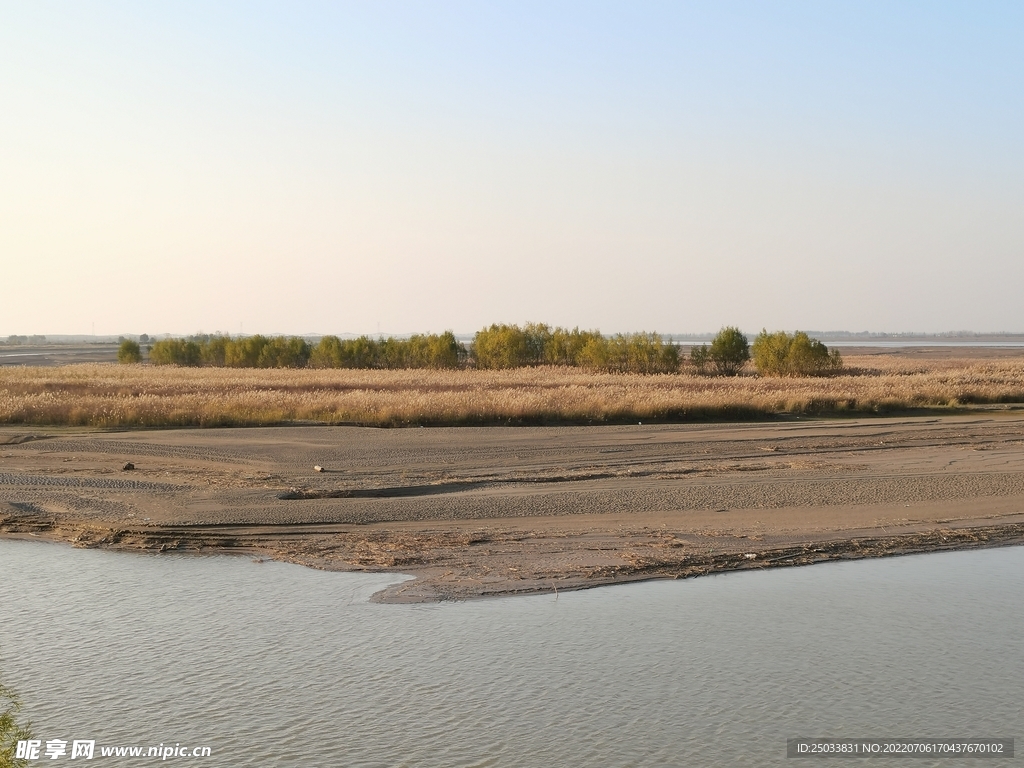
point(495, 511)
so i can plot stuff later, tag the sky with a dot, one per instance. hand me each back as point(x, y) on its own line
point(397, 167)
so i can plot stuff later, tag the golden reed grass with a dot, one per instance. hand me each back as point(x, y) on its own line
point(107, 395)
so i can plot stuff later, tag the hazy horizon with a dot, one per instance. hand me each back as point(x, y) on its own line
point(28, 339)
point(395, 168)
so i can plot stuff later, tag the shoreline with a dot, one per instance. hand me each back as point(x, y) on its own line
point(425, 586)
point(475, 512)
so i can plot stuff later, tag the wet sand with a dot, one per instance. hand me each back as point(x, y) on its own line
point(496, 511)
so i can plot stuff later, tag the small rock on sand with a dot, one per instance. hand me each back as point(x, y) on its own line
point(128, 466)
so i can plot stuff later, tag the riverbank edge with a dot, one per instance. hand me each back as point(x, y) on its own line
point(427, 587)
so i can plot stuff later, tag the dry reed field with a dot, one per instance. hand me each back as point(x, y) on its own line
point(107, 395)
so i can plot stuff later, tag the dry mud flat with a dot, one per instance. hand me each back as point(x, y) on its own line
point(491, 511)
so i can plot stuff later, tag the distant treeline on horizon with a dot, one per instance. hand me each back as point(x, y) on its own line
point(496, 347)
point(502, 347)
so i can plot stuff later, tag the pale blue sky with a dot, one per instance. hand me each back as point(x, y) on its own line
point(288, 167)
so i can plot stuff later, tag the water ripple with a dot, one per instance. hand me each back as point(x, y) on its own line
point(285, 666)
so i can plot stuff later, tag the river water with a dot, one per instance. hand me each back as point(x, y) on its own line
point(277, 665)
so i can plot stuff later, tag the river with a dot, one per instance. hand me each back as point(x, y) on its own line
point(273, 664)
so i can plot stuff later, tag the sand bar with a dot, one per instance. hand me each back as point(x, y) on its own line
point(495, 511)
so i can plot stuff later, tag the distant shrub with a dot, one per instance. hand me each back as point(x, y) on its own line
point(433, 351)
point(639, 353)
point(215, 350)
point(245, 352)
point(327, 353)
point(332, 352)
point(565, 347)
point(700, 359)
point(129, 352)
point(15, 340)
point(284, 352)
point(729, 351)
point(175, 352)
point(782, 354)
point(509, 346)
point(437, 351)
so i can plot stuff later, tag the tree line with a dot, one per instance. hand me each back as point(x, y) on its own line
point(503, 346)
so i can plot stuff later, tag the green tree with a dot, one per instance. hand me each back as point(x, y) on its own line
point(175, 352)
point(565, 347)
point(729, 351)
point(11, 730)
point(245, 352)
point(642, 353)
point(129, 352)
point(362, 352)
point(284, 352)
point(418, 351)
point(538, 339)
point(214, 350)
point(435, 351)
point(327, 353)
point(393, 354)
point(782, 354)
point(700, 359)
point(502, 346)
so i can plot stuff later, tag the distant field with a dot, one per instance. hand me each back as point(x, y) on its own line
point(57, 354)
point(102, 395)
